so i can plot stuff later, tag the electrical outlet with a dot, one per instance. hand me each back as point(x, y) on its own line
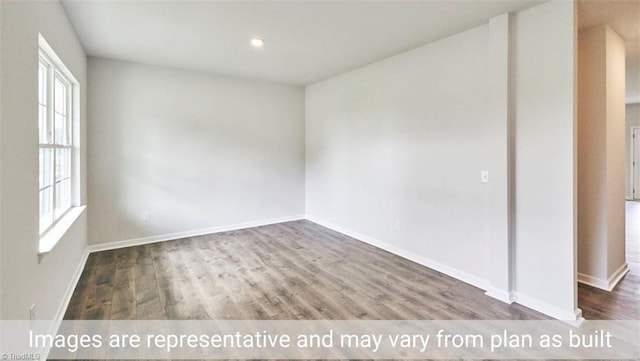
point(484, 176)
point(146, 216)
point(399, 226)
point(32, 312)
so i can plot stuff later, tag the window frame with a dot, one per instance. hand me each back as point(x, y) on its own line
point(55, 71)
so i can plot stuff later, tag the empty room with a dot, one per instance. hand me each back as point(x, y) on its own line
point(293, 179)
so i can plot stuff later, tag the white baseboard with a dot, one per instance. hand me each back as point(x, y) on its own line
point(70, 288)
point(593, 281)
point(59, 316)
point(500, 294)
point(608, 284)
point(548, 309)
point(193, 233)
point(429, 263)
point(617, 276)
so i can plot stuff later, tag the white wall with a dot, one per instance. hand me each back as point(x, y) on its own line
point(24, 280)
point(615, 116)
point(404, 140)
point(592, 171)
point(632, 119)
point(601, 156)
point(197, 151)
point(545, 266)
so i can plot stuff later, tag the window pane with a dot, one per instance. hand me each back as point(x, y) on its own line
point(46, 213)
point(42, 124)
point(41, 169)
point(63, 164)
point(42, 100)
point(60, 96)
point(60, 129)
point(61, 112)
point(46, 167)
point(63, 198)
point(42, 84)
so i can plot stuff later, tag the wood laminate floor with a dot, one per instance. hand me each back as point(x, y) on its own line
point(293, 270)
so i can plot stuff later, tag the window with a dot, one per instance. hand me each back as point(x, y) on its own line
point(55, 104)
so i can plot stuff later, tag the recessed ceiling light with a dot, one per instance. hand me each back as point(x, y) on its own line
point(257, 42)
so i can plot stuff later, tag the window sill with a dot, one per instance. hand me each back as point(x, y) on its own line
point(55, 234)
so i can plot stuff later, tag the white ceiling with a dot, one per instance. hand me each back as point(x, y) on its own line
point(623, 16)
point(305, 41)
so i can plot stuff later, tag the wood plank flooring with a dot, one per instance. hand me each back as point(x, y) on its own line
point(298, 270)
point(293, 270)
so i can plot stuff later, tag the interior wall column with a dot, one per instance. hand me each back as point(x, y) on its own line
point(499, 259)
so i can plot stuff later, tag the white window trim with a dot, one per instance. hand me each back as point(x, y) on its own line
point(50, 236)
point(53, 74)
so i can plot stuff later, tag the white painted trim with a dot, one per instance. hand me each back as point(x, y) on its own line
point(608, 284)
point(593, 281)
point(617, 276)
point(193, 233)
point(70, 288)
point(58, 230)
point(547, 309)
point(500, 295)
point(429, 263)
